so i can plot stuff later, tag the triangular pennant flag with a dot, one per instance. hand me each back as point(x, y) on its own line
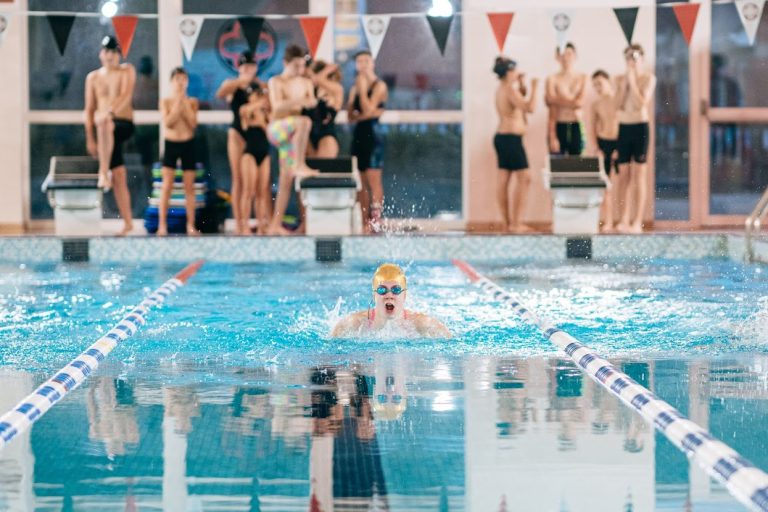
point(4, 22)
point(189, 30)
point(627, 17)
point(750, 12)
point(251, 29)
point(61, 26)
point(375, 28)
point(441, 27)
point(686, 16)
point(561, 22)
point(500, 22)
point(313, 31)
point(125, 28)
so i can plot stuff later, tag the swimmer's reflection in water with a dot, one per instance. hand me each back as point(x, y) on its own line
point(388, 313)
point(345, 459)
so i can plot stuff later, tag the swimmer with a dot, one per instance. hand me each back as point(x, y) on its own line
point(109, 123)
point(255, 165)
point(605, 134)
point(323, 141)
point(389, 295)
point(565, 92)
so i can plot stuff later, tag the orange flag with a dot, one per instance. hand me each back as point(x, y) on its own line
point(313, 31)
point(686, 17)
point(500, 22)
point(125, 28)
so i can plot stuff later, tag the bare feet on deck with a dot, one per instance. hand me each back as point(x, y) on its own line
point(127, 228)
point(162, 231)
point(105, 180)
point(191, 231)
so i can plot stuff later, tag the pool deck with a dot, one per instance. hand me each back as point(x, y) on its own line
point(412, 247)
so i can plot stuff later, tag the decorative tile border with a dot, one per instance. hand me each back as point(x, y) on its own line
point(217, 248)
point(441, 248)
point(30, 249)
point(438, 247)
point(670, 246)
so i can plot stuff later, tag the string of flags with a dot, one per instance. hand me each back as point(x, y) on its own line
point(375, 27)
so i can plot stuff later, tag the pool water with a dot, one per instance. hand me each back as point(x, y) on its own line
point(232, 397)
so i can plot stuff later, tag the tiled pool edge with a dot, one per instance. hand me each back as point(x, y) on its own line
point(479, 248)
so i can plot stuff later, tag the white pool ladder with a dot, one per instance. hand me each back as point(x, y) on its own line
point(752, 226)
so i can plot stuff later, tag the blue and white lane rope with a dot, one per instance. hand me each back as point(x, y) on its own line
point(37, 403)
point(744, 481)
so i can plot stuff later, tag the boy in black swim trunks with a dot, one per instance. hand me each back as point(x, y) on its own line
point(605, 132)
point(179, 114)
point(109, 123)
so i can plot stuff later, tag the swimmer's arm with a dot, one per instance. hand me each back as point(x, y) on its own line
point(621, 91)
point(228, 88)
point(643, 95)
point(578, 100)
point(90, 110)
point(351, 114)
point(595, 122)
point(431, 327)
point(370, 106)
point(244, 111)
point(519, 101)
point(346, 325)
point(170, 114)
point(189, 109)
point(123, 101)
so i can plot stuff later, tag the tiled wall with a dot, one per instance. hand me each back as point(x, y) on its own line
point(418, 247)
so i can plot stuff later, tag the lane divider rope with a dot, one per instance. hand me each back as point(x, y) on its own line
point(747, 483)
point(37, 403)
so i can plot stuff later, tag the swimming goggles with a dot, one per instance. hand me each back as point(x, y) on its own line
point(383, 290)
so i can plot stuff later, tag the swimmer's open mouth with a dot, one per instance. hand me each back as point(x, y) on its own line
point(390, 307)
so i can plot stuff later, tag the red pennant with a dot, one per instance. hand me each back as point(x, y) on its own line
point(686, 17)
point(313, 31)
point(500, 22)
point(125, 28)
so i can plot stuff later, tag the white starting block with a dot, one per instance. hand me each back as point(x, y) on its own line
point(578, 187)
point(330, 199)
point(71, 186)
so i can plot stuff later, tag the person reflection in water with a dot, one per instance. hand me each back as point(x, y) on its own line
point(388, 311)
point(345, 460)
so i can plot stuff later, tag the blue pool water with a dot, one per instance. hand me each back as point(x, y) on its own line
point(232, 397)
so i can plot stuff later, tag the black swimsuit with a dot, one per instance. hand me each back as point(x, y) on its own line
point(239, 98)
point(323, 119)
point(368, 138)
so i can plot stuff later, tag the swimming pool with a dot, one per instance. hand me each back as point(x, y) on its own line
point(232, 397)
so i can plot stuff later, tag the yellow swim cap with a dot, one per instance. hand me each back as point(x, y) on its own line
point(389, 272)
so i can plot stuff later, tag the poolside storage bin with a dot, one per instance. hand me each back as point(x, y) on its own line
point(177, 213)
point(578, 186)
point(71, 187)
point(330, 199)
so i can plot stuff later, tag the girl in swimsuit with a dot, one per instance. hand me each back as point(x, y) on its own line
point(323, 141)
point(255, 165)
point(233, 90)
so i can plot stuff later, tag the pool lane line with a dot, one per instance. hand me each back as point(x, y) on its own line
point(744, 480)
point(37, 403)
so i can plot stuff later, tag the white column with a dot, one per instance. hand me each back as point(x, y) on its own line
point(169, 52)
point(13, 129)
point(175, 493)
point(324, 8)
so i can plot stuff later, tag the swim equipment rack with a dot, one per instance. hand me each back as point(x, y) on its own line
point(37, 403)
point(744, 480)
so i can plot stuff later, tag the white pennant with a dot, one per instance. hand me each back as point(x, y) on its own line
point(189, 31)
point(561, 21)
point(375, 27)
point(4, 22)
point(750, 12)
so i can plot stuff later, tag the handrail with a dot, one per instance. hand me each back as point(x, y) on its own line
point(752, 225)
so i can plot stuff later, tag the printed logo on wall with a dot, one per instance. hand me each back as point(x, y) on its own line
point(561, 21)
point(750, 11)
point(375, 26)
point(230, 43)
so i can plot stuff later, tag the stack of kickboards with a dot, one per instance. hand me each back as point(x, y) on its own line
point(177, 215)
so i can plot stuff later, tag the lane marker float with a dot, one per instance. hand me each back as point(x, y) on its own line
point(744, 480)
point(37, 403)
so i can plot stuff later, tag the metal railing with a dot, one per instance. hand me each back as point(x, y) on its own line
point(752, 226)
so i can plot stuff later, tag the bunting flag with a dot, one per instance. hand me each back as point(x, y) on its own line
point(500, 23)
point(61, 26)
point(375, 28)
point(561, 22)
point(750, 12)
point(189, 31)
point(686, 16)
point(125, 28)
point(313, 31)
point(441, 27)
point(3, 26)
point(251, 30)
point(627, 17)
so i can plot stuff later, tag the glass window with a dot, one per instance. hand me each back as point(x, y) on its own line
point(141, 151)
point(737, 69)
point(738, 176)
point(425, 80)
point(58, 82)
point(220, 42)
point(422, 178)
point(671, 119)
